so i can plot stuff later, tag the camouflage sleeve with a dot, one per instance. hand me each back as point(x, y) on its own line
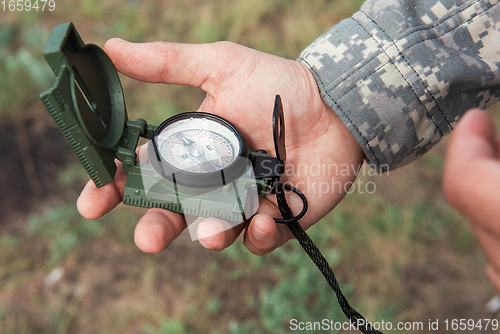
point(400, 73)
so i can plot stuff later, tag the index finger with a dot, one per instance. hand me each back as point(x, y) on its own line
point(170, 63)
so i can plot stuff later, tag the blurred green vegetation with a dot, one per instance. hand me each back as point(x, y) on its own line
point(21, 66)
point(400, 254)
point(62, 229)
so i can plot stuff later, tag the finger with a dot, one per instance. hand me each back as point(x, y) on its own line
point(494, 275)
point(156, 230)
point(490, 242)
point(263, 234)
point(473, 138)
point(472, 171)
point(173, 63)
point(95, 202)
point(217, 234)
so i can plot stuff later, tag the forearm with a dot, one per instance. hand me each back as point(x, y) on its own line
point(400, 76)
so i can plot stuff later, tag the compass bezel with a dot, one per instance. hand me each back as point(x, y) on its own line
point(198, 180)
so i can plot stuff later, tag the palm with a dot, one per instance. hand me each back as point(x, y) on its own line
point(241, 84)
point(244, 98)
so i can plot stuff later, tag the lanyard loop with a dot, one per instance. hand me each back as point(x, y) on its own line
point(302, 197)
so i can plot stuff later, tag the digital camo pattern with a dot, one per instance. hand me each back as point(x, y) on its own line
point(400, 73)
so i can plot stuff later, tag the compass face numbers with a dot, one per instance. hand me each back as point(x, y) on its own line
point(196, 145)
point(199, 150)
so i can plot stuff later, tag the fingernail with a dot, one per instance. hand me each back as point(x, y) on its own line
point(259, 235)
point(120, 39)
point(201, 242)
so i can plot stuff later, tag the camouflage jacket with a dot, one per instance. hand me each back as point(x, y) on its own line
point(400, 73)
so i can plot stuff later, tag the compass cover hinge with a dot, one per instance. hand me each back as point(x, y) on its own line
point(128, 143)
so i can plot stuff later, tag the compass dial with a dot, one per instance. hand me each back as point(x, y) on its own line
point(196, 146)
point(198, 151)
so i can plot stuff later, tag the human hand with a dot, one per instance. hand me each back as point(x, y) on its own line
point(472, 182)
point(241, 84)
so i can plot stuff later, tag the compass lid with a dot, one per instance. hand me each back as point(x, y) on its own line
point(98, 95)
point(86, 100)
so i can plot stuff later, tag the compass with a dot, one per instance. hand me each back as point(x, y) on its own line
point(196, 163)
point(198, 149)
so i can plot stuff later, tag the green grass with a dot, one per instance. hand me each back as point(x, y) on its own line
point(63, 230)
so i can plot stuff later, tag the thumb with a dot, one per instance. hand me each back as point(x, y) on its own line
point(472, 139)
point(472, 170)
point(172, 63)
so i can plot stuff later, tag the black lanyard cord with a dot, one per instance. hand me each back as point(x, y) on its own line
point(319, 260)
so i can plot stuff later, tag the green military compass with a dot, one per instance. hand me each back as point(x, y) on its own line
point(196, 163)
